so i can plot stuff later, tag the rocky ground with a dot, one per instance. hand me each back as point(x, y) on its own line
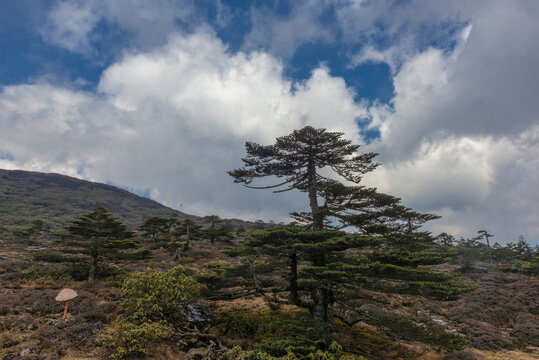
point(500, 319)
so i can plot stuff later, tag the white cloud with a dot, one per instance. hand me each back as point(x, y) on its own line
point(281, 36)
point(72, 24)
point(459, 138)
point(173, 121)
point(69, 24)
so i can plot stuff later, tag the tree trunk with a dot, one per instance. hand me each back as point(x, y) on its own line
point(318, 221)
point(322, 297)
point(321, 308)
point(294, 278)
point(94, 252)
point(489, 251)
point(93, 267)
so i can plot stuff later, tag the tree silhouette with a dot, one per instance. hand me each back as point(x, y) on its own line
point(484, 233)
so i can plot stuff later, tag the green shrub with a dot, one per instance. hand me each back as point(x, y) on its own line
point(81, 270)
point(450, 290)
point(135, 339)
point(278, 333)
point(335, 352)
point(137, 255)
point(154, 305)
point(530, 267)
point(40, 273)
point(153, 296)
point(402, 273)
point(406, 329)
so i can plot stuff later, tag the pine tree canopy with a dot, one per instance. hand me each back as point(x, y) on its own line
point(101, 234)
point(297, 159)
point(99, 224)
point(297, 156)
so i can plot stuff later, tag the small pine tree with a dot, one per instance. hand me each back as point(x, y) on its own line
point(100, 233)
point(190, 229)
point(154, 227)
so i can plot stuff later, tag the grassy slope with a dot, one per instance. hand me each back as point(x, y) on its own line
point(497, 319)
point(58, 199)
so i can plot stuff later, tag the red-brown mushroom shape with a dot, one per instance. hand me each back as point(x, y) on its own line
point(66, 295)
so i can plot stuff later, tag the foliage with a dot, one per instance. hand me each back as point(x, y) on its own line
point(77, 272)
point(214, 232)
point(81, 270)
point(35, 273)
point(190, 229)
point(297, 157)
point(154, 295)
point(100, 234)
point(406, 329)
point(335, 352)
point(144, 254)
point(408, 258)
point(154, 227)
point(281, 335)
point(38, 228)
point(130, 339)
point(332, 267)
point(442, 291)
point(154, 305)
point(529, 267)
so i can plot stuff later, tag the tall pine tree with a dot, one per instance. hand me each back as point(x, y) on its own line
point(300, 160)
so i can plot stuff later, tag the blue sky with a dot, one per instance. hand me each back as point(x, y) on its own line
point(160, 96)
point(31, 56)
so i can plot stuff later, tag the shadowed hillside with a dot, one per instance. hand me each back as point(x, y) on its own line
point(26, 196)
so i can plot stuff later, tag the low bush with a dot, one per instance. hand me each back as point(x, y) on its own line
point(154, 305)
point(81, 270)
point(137, 255)
point(406, 329)
point(529, 267)
point(450, 290)
point(335, 352)
point(35, 273)
point(129, 339)
point(277, 334)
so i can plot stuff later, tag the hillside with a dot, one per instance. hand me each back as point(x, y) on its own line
point(497, 321)
point(58, 199)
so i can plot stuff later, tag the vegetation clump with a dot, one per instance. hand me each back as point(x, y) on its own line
point(99, 233)
point(154, 306)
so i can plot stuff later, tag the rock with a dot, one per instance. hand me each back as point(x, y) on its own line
point(25, 352)
point(199, 354)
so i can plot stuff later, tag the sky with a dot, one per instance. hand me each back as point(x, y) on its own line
point(159, 97)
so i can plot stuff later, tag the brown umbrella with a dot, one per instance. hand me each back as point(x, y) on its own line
point(66, 295)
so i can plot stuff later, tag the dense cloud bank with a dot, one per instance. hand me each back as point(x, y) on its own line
point(171, 113)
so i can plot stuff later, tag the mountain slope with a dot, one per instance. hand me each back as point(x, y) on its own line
point(26, 196)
